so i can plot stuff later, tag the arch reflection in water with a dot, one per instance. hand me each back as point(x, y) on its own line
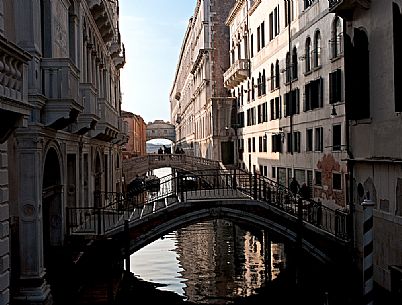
point(210, 262)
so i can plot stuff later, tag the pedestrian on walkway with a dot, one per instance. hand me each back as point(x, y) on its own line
point(294, 186)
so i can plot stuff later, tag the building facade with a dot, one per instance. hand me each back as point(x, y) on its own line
point(373, 77)
point(61, 131)
point(286, 74)
point(136, 144)
point(200, 104)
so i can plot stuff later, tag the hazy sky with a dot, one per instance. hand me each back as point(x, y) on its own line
point(152, 32)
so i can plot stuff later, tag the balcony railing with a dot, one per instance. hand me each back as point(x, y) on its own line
point(237, 73)
point(61, 88)
point(13, 88)
point(107, 128)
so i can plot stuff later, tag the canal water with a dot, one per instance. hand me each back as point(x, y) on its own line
point(220, 262)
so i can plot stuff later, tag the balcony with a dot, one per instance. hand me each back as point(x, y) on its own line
point(344, 8)
point(61, 88)
point(107, 128)
point(122, 136)
point(89, 117)
point(237, 73)
point(14, 106)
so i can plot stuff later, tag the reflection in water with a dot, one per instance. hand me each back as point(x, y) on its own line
point(209, 262)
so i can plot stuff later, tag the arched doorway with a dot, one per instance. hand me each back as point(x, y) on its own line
point(52, 216)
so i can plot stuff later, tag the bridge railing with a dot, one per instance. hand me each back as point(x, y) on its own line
point(140, 165)
point(208, 184)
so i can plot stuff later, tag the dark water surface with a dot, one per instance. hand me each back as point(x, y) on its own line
point(220, 262)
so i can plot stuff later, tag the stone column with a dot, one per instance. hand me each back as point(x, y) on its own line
point(32, 284)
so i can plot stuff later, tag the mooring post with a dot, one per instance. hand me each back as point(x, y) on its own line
point(368, 251)
point(299, 239)
point(127, 246)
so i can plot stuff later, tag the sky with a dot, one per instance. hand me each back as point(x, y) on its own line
point(152, 32)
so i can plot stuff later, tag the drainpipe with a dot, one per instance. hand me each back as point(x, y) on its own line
point(290, 97)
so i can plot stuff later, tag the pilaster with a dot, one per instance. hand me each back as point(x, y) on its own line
point(32, 284)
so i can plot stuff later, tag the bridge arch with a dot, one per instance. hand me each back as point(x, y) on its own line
point(255, 214)
point(160, 130)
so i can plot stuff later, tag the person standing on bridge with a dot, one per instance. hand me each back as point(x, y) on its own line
point(294, 186)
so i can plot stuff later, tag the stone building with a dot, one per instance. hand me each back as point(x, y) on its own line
point(200, 104)
point(373, 97)
point(136, 144)
point(61, 131)
point(286, 74)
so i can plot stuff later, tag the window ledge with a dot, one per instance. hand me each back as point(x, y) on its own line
point(308, 72)
point(335, 58)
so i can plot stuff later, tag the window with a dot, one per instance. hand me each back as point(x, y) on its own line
point(336, 137)
point(308, 54)
point(276, 20)
point(263, 83)
point(289, 142)
point(319, 139)
point(273, 175)
point(397, 35)
point(308, 3)
point(292, 102)
point(337, 181)
point(265, 112)
point(260, 144)
point(317, 50)
point(296, 141)
point(272, 77)
point(309, 140)
point(252, 45)
point(288, 12)
point(252, 89)
point(287, 67)
point(294, 64)
point(276, 143)
point(293, 142)
point(275, 108)
point(318, 180)
point(249, 148)
point(335, 87)
point(336, 41)
point(271, 26)
point(262, 27)
point(253, 144)
point(313, 94)
point(277, 74)
point(359, 77)
point(240, 119)
point(251, 116)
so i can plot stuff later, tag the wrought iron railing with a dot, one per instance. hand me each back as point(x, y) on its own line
point(211, 184)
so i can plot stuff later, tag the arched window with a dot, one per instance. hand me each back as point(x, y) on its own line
point(272, 77)
point(317, 48)
point(294, 63)
point(277, 74)
point(336, 41)
point(308, 54)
